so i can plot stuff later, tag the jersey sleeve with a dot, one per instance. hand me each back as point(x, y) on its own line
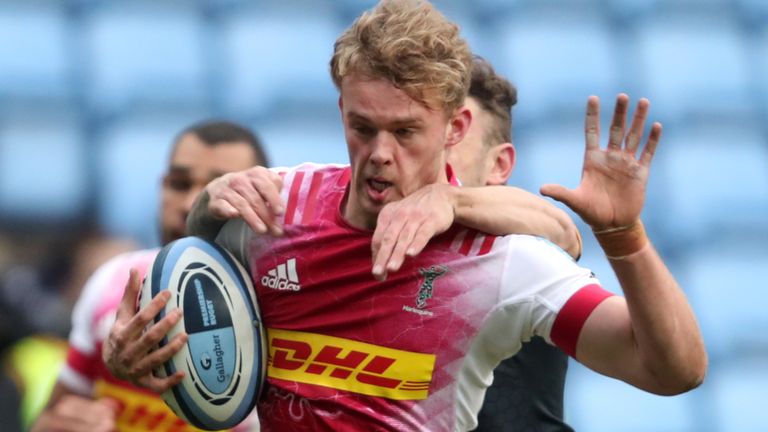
point(234, 237)
point(544, 286)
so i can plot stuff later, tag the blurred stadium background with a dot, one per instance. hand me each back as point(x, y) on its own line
point(92, 93)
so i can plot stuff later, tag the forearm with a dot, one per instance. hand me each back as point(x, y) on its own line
point(43, 421)
point(502, 210)
point(70, 411)
point(665, 337)
point(200, 222)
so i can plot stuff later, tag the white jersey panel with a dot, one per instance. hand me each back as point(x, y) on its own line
point(538, 278)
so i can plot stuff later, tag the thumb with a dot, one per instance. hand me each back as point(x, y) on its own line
point(559, 193)
point(129, 303)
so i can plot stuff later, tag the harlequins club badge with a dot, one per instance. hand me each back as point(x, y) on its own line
point(425, 290)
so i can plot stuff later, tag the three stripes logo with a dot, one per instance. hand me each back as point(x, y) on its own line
point(283, 277)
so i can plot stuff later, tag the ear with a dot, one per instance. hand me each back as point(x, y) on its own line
point(341, 112)
point(502, 158)
point(458, 126)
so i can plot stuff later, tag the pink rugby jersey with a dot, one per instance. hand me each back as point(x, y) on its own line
point(415, 352)
point(84, 371)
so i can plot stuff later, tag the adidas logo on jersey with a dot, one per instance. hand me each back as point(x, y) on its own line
point(283, 277)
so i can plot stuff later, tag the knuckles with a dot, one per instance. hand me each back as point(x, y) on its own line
point(155, 333)
point(239, 184)
point(118, 339)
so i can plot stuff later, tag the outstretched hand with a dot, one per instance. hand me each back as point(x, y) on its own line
point(612, 189)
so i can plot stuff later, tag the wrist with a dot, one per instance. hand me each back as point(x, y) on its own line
point(200, 221)
point(621, 242)
point(457, 197)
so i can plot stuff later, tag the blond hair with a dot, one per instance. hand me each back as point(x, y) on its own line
point(413, 46)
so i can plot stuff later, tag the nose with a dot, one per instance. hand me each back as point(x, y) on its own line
point(382, 149)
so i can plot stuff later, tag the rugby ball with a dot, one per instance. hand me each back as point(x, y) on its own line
point(224, 359)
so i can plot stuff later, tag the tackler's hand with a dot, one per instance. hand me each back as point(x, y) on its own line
point(253, 194)
point(404, 227)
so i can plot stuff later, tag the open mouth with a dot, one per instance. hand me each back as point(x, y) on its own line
point(378, 185)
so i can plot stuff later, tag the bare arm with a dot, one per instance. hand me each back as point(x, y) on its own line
point(405, 227)
point(68, 411)
point(200, 222)
point(502, 210)
point(650, 337)
point(253, 194)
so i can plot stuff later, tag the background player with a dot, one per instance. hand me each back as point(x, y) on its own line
point(87, 397)
point(527, 390)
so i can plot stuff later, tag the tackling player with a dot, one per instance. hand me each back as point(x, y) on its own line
point(527, 390)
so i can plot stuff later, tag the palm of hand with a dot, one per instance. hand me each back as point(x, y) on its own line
point(612, 189)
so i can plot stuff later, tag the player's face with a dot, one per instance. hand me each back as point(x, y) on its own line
point(194, 164)
point(396, 145)
point(471, 159)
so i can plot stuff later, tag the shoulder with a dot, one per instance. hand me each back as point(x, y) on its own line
point(535, 266)
point(101, 295)
point(307, 178)
point(516, 250)
point(310, 191)
point(469, 241)
point(530, 248)
point(311, 168)
point(123, 263)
